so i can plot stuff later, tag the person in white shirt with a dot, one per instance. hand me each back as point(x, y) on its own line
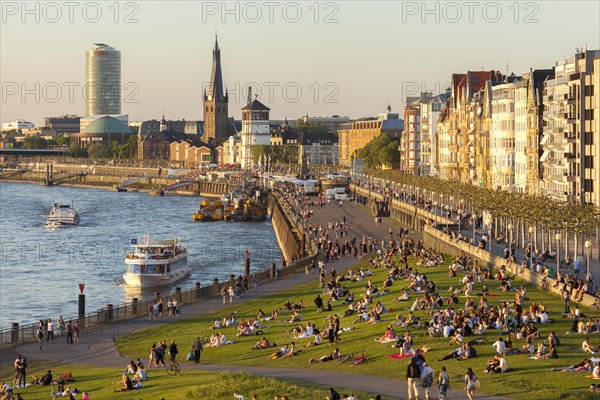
point(596, 371)
point(502, 366)
point(447, 332)
point(50, 331)
point(499, 346)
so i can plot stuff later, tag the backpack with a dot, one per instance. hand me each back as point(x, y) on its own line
point(427, 380)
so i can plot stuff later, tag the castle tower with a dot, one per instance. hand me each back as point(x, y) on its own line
point(216, 103)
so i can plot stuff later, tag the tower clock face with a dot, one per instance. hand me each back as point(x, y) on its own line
point(210, 97)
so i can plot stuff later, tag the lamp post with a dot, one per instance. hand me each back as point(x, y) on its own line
point(510, 239)
point(435, 211)
point(473, 219)
point(557, 237)
point(531, 247)
point(588, 253)
point(447, 217)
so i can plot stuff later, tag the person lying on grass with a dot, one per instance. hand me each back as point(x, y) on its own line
point(333, 356)
point(285, 352)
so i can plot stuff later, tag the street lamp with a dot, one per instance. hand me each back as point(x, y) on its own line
point(473, 219)
point(557, 237)
point(588, 253)
point(510, 239)
point(435, 211)
point(531, 247)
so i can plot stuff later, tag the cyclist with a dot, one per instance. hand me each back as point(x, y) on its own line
point(173, 350)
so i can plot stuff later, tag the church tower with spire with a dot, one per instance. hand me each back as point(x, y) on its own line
point(216, 123)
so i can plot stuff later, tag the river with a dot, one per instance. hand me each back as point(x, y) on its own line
point(40, 268)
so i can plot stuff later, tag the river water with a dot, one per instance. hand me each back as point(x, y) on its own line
point(40, 268)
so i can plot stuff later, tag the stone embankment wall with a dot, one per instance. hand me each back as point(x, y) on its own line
point(286, 231)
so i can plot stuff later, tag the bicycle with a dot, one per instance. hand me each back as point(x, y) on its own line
point(173, 368)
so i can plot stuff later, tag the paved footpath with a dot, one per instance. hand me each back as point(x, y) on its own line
point(98, 347)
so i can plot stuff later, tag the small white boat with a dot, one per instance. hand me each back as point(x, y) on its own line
point(62, 215)
point(155, 263)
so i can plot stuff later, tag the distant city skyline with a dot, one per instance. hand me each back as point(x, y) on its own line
point(324, 58)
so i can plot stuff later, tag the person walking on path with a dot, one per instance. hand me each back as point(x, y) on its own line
point(427, 376)
point(76, 332)
point(413, 375)
point(471, 383)
point(69, 330)
point(231, 294)
point(197, 346)
point(443, 383)
point(40, 337)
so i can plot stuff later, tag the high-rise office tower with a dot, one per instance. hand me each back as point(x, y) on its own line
point(103, 78)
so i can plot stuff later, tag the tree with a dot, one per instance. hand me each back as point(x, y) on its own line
point(63, 140)
point(76, 151)
point(98, 150)
point(380, 146)
point(302, 126)
point(34, 142)
point(389, 155)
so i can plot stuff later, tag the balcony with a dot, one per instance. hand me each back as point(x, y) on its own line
point(571, 158)
point(569, 137)
point(569, 178)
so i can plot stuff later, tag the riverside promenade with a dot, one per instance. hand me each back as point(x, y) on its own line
point(98, 349)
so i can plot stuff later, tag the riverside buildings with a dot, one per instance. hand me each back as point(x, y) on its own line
point(571, 158)
point(536, 133)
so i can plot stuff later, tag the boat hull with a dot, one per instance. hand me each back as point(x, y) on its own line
point(149, 273)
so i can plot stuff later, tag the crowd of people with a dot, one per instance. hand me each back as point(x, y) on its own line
point(443, 313)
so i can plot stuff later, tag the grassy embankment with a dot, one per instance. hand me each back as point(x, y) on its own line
point(527, 378)
point(101, 383)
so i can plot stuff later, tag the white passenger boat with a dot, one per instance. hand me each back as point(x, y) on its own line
point(62, 215)
point(155, 263)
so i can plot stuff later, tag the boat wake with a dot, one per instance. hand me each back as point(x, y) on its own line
point(118, 282)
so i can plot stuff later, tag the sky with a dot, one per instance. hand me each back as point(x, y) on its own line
point(350, 58)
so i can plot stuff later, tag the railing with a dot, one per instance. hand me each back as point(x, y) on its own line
point(102, 317)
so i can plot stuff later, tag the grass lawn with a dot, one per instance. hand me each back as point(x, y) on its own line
point(527, 378)
point(101, 383)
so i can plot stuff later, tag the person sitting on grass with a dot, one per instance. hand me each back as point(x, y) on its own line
point(551, 353)
point(296, 317)
point(333, 356)
point(497, 365)
point(262, 344)
point(456, 339)
point(140, 375)
point(127, 384)
point(316, 341)
point(389, 335)
point(403, 296)
point(588, 348)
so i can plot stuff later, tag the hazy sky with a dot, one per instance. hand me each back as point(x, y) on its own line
point(321, 58)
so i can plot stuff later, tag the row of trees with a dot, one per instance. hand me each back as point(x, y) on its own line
point(284, 154)
point(128, 150)
point(519, 209)
point(93, 150)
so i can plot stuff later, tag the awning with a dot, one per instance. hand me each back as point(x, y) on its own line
point(545, 139)
point(544, 156)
